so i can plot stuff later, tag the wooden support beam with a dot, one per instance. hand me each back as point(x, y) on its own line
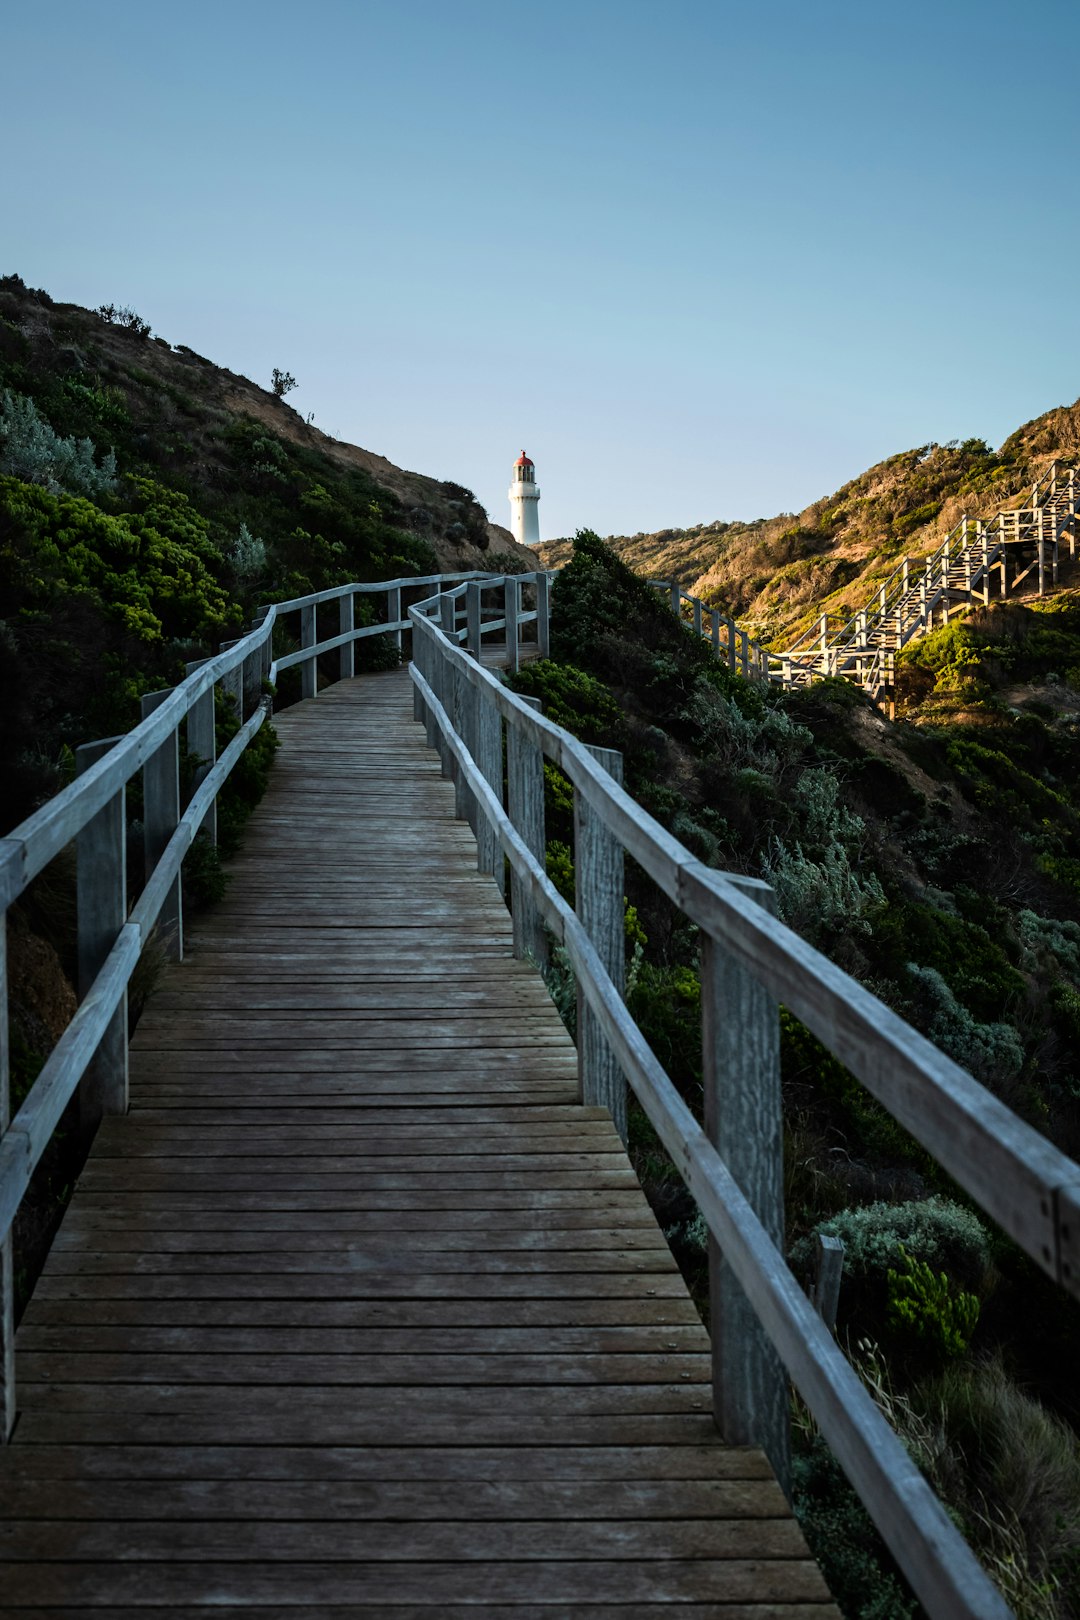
point(309, 669)
point(489, 757)
point(511, 612)
point(346, 624)
point(202, 745)
point(232, 684)
point(161, 812)
point(828, 1271)
point(525, 804)
point(697, 616)
point(473, 619)
point(393, 614)
point(744, 1122)
point(101, 910)
point(543, 615)
point(599, 885)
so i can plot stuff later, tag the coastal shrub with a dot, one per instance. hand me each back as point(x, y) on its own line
point(974, 966)
point(31, 450)
point(993, 1052)
point(924, 1306)
point(936, 1231)
point(62, 546)
point(1047, 934)
point(821, 895)
point(247, 555)
point(573, 699)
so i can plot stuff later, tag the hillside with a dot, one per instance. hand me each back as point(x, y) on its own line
point(777, 574)
point(150, 501)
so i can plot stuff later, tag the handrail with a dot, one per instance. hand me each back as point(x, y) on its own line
point(1023, 1182)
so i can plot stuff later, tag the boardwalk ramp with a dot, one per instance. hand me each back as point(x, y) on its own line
point(357, 1309)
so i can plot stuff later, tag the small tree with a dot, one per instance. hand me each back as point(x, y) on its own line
point(283, 382)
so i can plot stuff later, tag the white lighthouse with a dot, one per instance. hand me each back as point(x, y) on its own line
point(525, 503)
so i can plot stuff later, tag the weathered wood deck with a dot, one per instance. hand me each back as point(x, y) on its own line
point(357, 1309)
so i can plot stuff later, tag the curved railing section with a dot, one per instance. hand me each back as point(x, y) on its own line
point(493, 744)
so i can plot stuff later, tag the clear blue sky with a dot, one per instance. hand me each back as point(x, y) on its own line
point(702, 259)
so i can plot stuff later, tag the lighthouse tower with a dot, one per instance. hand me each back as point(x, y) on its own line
point(525, 503)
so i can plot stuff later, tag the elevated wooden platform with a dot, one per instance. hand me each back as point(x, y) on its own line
point(358, 1311)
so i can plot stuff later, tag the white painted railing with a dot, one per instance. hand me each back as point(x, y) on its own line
point(750, 962)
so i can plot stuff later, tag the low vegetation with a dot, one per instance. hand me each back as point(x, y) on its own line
point(935, 860)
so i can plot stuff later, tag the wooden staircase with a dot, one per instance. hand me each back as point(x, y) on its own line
point(976, 554)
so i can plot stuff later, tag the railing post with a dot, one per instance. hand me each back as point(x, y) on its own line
point(525, 804)
point(543, 616)
point(715, 622)
point(232, 684)
point(309, 669)
point(740, 1028)
point(697, 616)
point(828, 1273)
point(511, 609)
point(252, 677)
point(202, 744)
point(744, 652)
point(598, 884)
point(161, 812)
point(473, 618)
point(732, 646)
point(489, 757)
point(466, 717)
point(101, 912)
point(393, 613)
point(445, 683)
point(346, 625)
point(676, 598)
point(7, 1264)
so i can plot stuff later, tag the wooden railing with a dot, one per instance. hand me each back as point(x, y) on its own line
point(734, 646)
point(90, 1059)
point(761, 1322)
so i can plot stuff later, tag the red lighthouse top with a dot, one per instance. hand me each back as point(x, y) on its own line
point(523, 461)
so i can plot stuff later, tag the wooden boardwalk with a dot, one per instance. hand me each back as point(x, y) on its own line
point(357, 1310)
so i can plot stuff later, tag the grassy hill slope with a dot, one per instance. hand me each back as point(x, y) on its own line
point(777, 574)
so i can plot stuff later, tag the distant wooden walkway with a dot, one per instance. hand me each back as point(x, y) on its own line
point(357, 1310)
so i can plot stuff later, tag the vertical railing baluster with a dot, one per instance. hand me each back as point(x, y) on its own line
point(161, 812)
point(543, 616)
point(466, 724)
point(473, 618)
point(732, 646)
point(101, 912)
point(697, 615)
point(744, 1121)
point(393, 614)
point(489, 757)
point(445, 682)
point(309, 669)
point(7, 1262)
point(715, 627)
point(346, 625)
point(202, 745)
point(232, 684)
point(251, 677)
point(598, 884)
point(525, 804)
point(511, 610)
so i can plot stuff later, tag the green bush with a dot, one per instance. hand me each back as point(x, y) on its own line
point(926, 1307)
